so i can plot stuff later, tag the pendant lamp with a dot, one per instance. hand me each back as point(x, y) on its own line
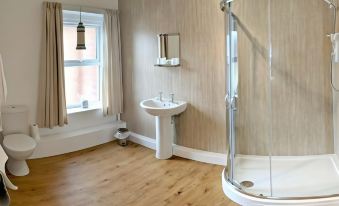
point(81, 35)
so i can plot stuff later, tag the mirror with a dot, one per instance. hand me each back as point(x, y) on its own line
point(168, 50)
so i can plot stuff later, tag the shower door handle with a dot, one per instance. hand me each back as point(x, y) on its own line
point(235, 102)
point(231, 102)
point(228, 101)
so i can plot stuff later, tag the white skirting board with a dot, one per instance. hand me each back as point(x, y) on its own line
point(76, 140)
point(184, 152)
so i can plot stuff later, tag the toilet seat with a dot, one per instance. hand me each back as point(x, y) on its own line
point(19, 142)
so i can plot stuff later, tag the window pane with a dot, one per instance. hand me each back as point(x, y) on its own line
point(70, 43)
point(82, 83)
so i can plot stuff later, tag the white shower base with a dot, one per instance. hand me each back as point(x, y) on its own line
point(292, 177)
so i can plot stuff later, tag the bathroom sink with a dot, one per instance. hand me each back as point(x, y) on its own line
point(163, 108)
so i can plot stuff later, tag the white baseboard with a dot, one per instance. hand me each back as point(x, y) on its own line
point(184, 152)
point(76, 140)
point(142, 140)
point(200, 155)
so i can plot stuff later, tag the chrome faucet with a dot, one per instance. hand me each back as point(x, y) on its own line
point(160, 96)
point(172, 98)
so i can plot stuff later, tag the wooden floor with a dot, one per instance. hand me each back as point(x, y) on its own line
point(115, 176)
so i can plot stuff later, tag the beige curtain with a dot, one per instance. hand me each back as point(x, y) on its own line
point(52, 102)
point(112, 77)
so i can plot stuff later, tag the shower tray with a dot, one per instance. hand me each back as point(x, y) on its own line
point(296, 180)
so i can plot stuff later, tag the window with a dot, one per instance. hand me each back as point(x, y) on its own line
point(83, 68)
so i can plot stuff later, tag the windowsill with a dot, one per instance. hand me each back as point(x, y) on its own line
point(80, 109)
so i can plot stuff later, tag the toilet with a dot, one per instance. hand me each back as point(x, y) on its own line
point(20, 139)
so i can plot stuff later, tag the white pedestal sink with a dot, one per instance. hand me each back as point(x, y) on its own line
point(163, 112)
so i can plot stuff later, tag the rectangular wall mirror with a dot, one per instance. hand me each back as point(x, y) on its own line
point(168, 50)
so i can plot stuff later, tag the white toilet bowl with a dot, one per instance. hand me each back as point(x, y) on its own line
point(18, 148)
point(20, 138)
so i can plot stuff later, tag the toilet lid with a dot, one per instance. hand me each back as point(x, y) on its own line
point(19, 142)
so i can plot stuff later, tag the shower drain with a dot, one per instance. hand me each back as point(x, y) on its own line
point(247, 184)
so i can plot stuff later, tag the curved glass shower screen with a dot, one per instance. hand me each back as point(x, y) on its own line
point(248, 96)
point(281, 107)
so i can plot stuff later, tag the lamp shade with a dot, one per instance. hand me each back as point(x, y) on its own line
point(81, 36)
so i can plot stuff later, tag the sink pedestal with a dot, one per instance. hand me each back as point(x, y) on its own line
point(164, 137)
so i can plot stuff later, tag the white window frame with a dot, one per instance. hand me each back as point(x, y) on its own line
point(71, 19)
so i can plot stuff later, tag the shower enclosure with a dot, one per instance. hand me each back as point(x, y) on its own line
point(282, 102)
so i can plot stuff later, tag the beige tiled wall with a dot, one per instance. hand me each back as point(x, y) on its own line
point(200, 80)
point(290, 115)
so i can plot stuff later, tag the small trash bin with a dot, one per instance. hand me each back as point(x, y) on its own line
point(122, 134)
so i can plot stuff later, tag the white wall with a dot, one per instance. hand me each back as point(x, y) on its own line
point(20, 37)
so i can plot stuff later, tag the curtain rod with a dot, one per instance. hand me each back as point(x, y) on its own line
point(73, 7)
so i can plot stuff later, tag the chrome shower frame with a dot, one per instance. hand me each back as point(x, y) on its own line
point(334, 9)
